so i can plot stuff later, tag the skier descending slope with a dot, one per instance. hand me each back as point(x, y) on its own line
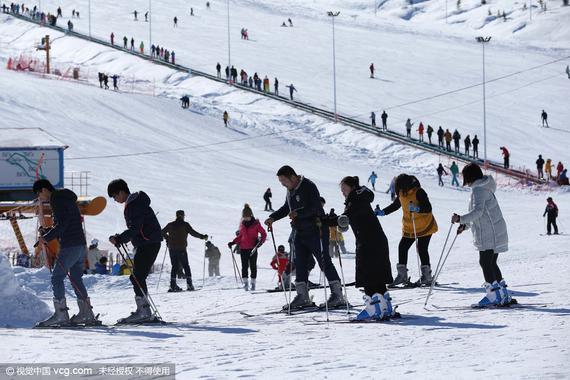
point(372, 252)
point(144, 233)
point(71, 257)
point(418, 225)
point(489, 232)
point(303, 206)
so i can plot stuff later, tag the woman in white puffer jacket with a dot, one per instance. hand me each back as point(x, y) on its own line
point(486, 221)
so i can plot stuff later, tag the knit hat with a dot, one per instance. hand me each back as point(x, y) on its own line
point(179, 213)
point(247, 212)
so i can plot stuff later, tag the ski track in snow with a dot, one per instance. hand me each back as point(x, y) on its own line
point(209, 338)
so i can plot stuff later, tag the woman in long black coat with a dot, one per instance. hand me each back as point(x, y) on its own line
point(373, 269)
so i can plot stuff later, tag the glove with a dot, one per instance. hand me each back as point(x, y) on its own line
point(413, 208)
point(380, 213)
point(343, 223)
point(204, 237)
point(114, 239)
point(230, 244)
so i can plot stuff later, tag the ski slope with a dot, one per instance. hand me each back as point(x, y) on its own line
point(186, 159)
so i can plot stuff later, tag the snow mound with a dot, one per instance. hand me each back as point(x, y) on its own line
point(20, 308)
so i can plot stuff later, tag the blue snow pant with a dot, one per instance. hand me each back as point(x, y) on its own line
point(310, 243)
point(454, 181)
point(72, 260)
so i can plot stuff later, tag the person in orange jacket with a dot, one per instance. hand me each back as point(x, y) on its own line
point(559, 169)
point(279, 263)
point(421, 131)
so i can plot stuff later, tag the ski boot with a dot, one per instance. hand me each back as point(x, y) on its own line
point(302, 299)
point(402, 277)
point(493, 296)
point(371, 308)
point(426, 277)
point(506, 297)
point(190, 286)
point(85, 315)
point(141, 315)
point(60, 315)
point(336, 299)
point(252, 287)
point(174, 288)
point(245, 281)
point(387, 311)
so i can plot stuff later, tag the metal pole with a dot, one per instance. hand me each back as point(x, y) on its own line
point(89, 18)
point(229, 45)
point(375, 8)
point(149, 24)
point(446, 11)
point(530, 9)
point(484, 109)
point(333, 15)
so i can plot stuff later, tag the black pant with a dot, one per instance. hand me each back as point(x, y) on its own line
point(268, 206)
point(506, 162)
point(179, 259)
point(248, 260)
point(440, 180)
point(475, 151)
point(369, 291)
point(551, 222)
point(143, 262)
point(488, 262)
point(448, 146)
point(440, 142)
point(406, 243)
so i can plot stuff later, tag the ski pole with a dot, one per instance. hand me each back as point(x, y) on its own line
point(234, 266)
point(270, 228)
point(161, 268)
point(291, 259)
point(204, 268)
point(343, 283)
point(440, 269)
point(146, 295)
point(442, 251)
point(416, 240)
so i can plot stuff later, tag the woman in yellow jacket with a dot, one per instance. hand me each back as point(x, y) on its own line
point(418, 222)
point(548, 169)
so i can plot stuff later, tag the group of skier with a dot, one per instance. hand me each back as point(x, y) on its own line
point(104, 81)
point(545, 167)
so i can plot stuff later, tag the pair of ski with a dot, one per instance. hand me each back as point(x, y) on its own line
point(99, 325)
point(396, 316)
point(514, 304)
point(297, 311)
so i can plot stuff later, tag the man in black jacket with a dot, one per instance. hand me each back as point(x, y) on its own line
point(70, 260)
point(176, 236)
point(303, 206)
point(144, 233)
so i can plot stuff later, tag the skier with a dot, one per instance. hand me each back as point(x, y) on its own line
point(372, 253)
point(559, 169)
point(279, 263)
point(191, 11)
point(384, 118)
point(125, 42)
point(106, 81)
point(144, 233)
point(226, 118)
point(548, 168)
point(552, 212)
point(373, 118)
point(141, 47)
point(100, 77)
point(291, 90)
point(475, 143)
point(563, 179)
point(409, 125)
point(249, 242)
point(213, 255)
point(489, 232)
point(372, 180)
point(69, 26)
point(59, 14)
point(544, 117)
point(175, 21)
point(429, 133)
point(290, 22)
point(539, 166)
point(267, 198)
point(440, 172)
point(418, 225)
point(454, 172)
point(172, 57)
point(266, 85)
point(275, 86)
point(146, 16)
point(112, 39)
point(68, 230)
point(94, 254)
point(227, 72)
point(506, 156)
point(336, 239)
point(456, 138)
point(421, 132)
point(392, 189)
point(132, 44)
point(440, 135)
point(303, 207)
point(567, 66)
point(372, 70)
point(115, 78)
point(136, 14)
point(467, 143)
point(448, 138)
point(176, 235)
point(218, 70)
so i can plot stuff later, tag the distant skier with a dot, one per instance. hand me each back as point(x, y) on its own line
point(132, 44)
point(384, 118)
point(371, 70)
point(456, 138)
point(429, 133)
point(175, 21)
point(567, 66)
point(336, 239)
point(218, 70)
point(144, 233)
point(440, 172)
point(227, 72)
point(489, 232)
point(373, 268)
point(226, 118)
point(539, 167)
point(421, 132)
point(467, 143)
point(146, 16)
point(392, 189)
point(440, 135)
point(115, 78)
point(100, 77)
point(544, 117)
point(176, 235)
point(213, 255)
point(506, 157)
point(70, 261)
point(409, 125)
point(106, 81)
point(475, 143)
point(185, 101)
point(418, 223)
point(448, 137)
point(125, 42)
point(563, 179)
point(551, 212)
point(191, 11)
point(559, 169)
point(267, 198)
point(290, 22)
point(136, 15)
point(275, 86)
point(141, 47)
point(372, 180)
point(548, 169)
point(291, 90)
point(112, 39)
point(279, 263)
point(454, 169)
point(373, 118)
point(251, 236)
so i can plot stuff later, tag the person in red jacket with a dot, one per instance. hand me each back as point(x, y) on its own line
point(249, 242)
point(279, 263)
point(559, 169)
point(421, 131)
point(506, 156)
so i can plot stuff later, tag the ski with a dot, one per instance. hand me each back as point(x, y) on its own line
point(73, 326)
point(397, 316)
point(515, 305)
point(154, 321)
point(305, 310)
